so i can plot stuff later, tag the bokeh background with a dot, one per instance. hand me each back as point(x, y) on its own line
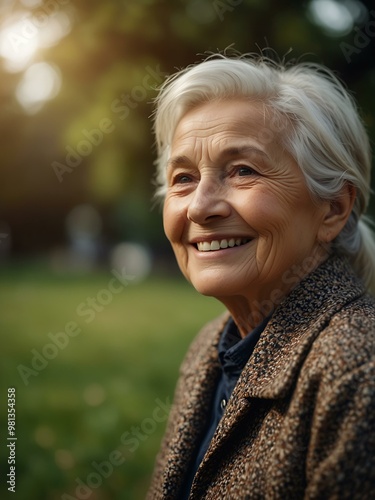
point(94, 316)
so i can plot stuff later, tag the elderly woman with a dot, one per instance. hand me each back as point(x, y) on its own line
point(264, 171)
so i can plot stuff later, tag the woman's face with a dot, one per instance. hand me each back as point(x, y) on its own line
point(237, 211)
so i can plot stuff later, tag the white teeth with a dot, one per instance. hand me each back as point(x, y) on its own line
point(206, 246)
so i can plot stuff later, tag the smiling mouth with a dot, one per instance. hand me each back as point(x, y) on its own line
point(214, 245)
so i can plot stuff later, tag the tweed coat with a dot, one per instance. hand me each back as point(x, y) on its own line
point(300, 423)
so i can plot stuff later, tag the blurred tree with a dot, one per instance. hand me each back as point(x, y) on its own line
point(92, 142)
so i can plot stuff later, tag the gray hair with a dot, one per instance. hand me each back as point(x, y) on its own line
point(319, 121)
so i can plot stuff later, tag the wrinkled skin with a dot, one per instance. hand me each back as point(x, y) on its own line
point(227, 179)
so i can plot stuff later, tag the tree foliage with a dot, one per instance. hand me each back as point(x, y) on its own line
point(92, 143)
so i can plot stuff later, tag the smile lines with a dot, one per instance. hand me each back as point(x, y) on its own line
point(209, 246)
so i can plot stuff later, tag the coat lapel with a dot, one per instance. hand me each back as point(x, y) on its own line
point(199, 375)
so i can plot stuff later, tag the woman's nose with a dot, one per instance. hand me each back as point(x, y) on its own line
point(208, 201)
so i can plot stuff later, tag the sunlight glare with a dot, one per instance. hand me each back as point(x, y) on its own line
point(23, 34)
point(57, 28)
point(18, 42)
point(334, 17)
point(40, 83)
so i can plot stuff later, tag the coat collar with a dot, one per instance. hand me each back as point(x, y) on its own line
point(295, 324)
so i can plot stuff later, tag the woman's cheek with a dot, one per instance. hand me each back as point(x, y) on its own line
point(174, 219)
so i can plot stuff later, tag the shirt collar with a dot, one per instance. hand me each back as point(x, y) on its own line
point(235, 351)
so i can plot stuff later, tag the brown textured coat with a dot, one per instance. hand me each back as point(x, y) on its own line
point(301, 420)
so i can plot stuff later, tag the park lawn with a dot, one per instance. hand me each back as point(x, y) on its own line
point(90, 418)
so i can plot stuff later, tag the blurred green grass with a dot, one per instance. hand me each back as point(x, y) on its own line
point(107, 381)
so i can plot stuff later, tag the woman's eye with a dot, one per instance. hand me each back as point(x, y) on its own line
point(242, 171)
point(182, 179)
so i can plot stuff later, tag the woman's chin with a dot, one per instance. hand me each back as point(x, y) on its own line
point(215, 287)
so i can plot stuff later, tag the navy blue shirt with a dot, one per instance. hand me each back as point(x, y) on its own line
point(234, 353)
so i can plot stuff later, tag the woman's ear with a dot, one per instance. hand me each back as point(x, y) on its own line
point(337, 213)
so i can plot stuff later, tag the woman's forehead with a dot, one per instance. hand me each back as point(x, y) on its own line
point(233, 127)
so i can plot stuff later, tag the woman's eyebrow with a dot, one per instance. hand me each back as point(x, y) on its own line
point(177, 161)
point(241, 150)
point(230, 152)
